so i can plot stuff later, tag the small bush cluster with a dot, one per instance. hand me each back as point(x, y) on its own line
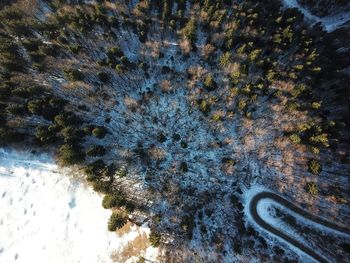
point(116, 221)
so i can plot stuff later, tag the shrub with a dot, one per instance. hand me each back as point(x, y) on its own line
point(187, 224)
point(34, 106)
point(314, 166)
point(113, 200)
point(124, 60)
point(69, 154)
point(254, 54)
point(183, 167)
point(103, 187)
point(143, 66)
point(103, 76)
point(93, 170)
point(154, 239)
point(204, 106)
point(189, 31)
point(225, 59)
point(71, 134)
point(130, 207)
point(95, 150)
point(43, 134)
point(99, 132)
point(315, 150)
point(14, 108)
point(74, 48)
point(116, 221)
point(66, 119)
point(316, 105)
point(242, 104)
point(161, 137)
point(311, 188)
point(295, 138)
point(119, 68)
point(176, 137)
point(321, 139)
point(73, 74)
point(7, 136)
point(209, 83)
point(122, 172)
point(227, 160)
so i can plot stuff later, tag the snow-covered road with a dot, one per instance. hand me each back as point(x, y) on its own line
point(47, 216)
point(257, 202)
point(329, 23)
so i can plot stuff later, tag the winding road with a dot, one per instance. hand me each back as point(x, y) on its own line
point(268, 227)
point(330, 23)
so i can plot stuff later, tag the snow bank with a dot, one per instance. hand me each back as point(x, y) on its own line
point(48, 216)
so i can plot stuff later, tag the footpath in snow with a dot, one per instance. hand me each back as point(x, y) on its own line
point(47, 216)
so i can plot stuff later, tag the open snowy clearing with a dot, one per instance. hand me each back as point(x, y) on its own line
point(47, 216)
point(329, 23)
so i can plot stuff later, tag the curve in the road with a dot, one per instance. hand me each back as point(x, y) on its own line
point(265, 225)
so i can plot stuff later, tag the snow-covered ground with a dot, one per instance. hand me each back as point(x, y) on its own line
point(329, 23)
point(48, 216)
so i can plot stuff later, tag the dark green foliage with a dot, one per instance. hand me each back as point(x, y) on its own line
point(314, 166)
point(15, 21)
point(70, 154)
point(176, 137)
point(209, 83)
point(99, 132)
point(113, 200)
point(15, 108)
point(187, 224)
point(94, 170)
point(73, 74)
point(66, 119)
point(103, 187)
point(189, 31)
point(26, 92)
point(103, 76)
point(130, 207)
point(143, 66)
point(311, 188)
point(183, 167)
point(154, 239)
point(74, 48)
point(204, 106)
point(71, 135)
point(122, 172)
point(161, 137)
point(184, 144)
point(10, 57)
point(227, 160)
point(116, 221)
point(44, 135)
point(95, 150)
point(8, 136)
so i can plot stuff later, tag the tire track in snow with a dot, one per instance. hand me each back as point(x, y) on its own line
point(253, 204)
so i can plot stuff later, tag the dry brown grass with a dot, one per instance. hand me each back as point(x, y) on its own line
point(207, 50)
point(185, 46)
point(157, 153)
point(165, 86)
